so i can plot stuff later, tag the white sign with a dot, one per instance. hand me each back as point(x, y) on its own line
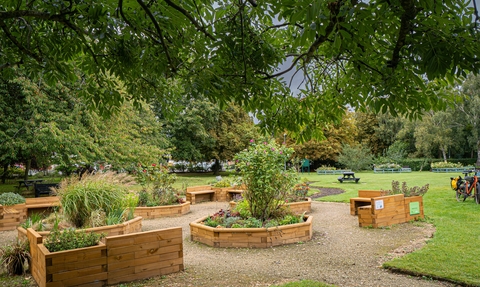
point(379, 204)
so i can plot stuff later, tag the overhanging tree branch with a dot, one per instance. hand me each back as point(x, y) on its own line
point(159, 31)
point(18, 44)
point(190, 17)
point(410, 12)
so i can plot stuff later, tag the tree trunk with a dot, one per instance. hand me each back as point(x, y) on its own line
point(216, 167)
point(27, 168)
point(444, 154)
point(5, 170)
point(478, 155)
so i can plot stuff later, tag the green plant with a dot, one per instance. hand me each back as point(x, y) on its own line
point(71, 239)
point(408, 191)
point(10, 198)
point(34, 221)
point(445, 164)
point(388, 165)
point(102, 191)
point(157, 186)
point(262, 167)
point(324, 167)
point(15, 257)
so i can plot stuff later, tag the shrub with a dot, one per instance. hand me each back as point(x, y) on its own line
point(157, 189)
point(262, 167)
point(15, 257)
point(324, 167)
point(103, 191)
point(388, 165)
point(408, 191)
point(10, 198)
point(445, 164)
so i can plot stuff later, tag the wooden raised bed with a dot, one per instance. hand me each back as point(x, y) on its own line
point(389, 210)
point(162, 211)
point(121, 258)
point(251, 237)
point(298, 207)
point(127, 227)
point(12, 216)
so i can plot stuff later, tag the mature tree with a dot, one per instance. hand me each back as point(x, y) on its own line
point(367, 124)
point(204, 131)
point(356, 157)
point(327, 150)
point(48, 124)
point(435, 133)
point(469, 107)
point(374, 54)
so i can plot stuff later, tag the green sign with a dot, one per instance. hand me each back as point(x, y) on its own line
point(414, 207)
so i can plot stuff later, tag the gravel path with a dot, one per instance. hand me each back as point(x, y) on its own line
point(340, 253)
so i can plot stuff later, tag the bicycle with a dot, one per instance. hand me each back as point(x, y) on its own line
point(466, 187)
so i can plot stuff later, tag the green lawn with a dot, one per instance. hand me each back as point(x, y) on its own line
point(454, 251)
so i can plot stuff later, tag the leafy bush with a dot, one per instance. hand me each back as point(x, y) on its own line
point(10, 198)
point(71, 239)
point(445, 164)
point(388, 165)
point(408, 191)
point(262, 167)
point(157, 189)
point(80, 198)
point(325, 167)
point(15, 257)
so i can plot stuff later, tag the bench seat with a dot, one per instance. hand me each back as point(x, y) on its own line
point(200, 196)
point(357, 202)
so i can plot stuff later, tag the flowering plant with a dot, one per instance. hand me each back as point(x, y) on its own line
point(157, 189)
point(262, 167)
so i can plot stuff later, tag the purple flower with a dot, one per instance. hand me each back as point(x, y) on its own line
point(251, 140)
point(280, 152)
point(273, 148)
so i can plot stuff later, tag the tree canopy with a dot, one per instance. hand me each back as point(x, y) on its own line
point(379, 54)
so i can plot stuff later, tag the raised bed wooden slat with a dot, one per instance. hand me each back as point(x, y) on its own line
point(162, 211)
point(251, 237)
point(127, 227)
point(141, 255)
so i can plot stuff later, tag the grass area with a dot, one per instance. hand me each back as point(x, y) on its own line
point(453, 252)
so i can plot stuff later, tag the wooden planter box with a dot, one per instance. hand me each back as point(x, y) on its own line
point(12, 216)
point(221, 193)
point(121, 258)
point(251, 237)
point(389, 210)
point(296, 207)
point(162, 211)
point(127, 227)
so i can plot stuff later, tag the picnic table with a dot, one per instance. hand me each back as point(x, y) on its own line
point(27, 183)
point(348, 176)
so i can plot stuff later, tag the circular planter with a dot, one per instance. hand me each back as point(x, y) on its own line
point(251, 237)
point(127, 227)
point(296, 207)
point(162, 211)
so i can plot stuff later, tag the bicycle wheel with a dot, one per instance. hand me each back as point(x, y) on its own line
point(477, 194)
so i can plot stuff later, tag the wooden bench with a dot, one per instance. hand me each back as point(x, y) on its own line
point(44, 188)
point(199, 194)
point(363, 199)
point(42, 204)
